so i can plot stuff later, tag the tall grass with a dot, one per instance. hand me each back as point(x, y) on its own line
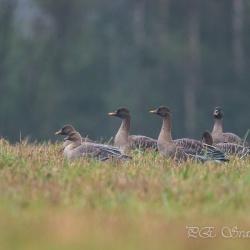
point(47, 202)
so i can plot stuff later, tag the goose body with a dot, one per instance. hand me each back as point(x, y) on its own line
point(182, 149)
point(228, 148)
point(78, 149)
point(217, 132)
point(124, 140)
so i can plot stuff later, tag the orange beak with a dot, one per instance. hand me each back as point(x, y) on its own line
point(112, 113)
point(58, 132)
point(153, 112)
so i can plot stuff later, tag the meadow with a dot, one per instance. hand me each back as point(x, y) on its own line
point(47, 202)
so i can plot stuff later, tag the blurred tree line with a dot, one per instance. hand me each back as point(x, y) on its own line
point(74, 61)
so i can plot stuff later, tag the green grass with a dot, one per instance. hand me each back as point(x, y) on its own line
point(47, 202)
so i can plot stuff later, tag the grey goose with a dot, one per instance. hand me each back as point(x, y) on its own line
point(228, 148)
point(124, 140)
point(76, 148)
point(183, 149)
point(217, 132)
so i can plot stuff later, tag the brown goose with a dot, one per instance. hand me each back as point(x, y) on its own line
point(66, 130)
point(76, 148)
point(217, 133)
point(182, 149)
point(228, 148)
point(124, 140)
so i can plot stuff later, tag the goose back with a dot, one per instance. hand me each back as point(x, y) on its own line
point(229, 148)
point(78, 149)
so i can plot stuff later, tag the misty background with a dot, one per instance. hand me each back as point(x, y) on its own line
point(72, 62)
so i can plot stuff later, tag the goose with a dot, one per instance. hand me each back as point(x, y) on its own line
point(76, 148)
point(124, 140)
point(217, 132)
point(182, 149)
point(228, 148)
point(66, 130)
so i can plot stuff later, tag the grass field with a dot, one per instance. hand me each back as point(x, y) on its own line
point(47, 202)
